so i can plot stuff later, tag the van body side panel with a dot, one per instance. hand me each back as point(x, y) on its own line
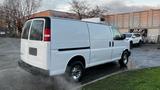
point(118, 48)
point(69, 38)
point(100, 36)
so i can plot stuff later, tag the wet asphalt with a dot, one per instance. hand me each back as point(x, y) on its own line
point(14, 78)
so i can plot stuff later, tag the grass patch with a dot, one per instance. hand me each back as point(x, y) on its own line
point(146, 79)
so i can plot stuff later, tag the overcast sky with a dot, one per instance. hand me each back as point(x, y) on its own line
point(112, 5)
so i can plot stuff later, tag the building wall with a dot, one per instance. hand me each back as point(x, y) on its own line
point(153, 35)
point(123, 30)
point(149, 20)
point(137, 21)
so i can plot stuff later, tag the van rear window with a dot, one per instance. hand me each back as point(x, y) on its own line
point(36, 32)
point(26, 30)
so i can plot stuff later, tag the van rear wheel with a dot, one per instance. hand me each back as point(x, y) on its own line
point(124, 59)
point(74, 71)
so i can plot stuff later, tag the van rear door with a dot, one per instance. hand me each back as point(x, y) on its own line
point(24, 40)
point(34, 48)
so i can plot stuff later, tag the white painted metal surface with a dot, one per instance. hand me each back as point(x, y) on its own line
point(70, 38)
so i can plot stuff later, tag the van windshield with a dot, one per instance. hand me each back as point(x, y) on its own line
point(26, 30)
point(36, 32)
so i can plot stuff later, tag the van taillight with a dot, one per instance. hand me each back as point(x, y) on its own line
point(47, 34)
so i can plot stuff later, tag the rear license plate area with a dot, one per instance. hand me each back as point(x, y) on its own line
point(33, 51)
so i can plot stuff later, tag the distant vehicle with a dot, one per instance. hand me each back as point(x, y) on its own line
point(54, 46)
point(134, 38)
point(2, 33)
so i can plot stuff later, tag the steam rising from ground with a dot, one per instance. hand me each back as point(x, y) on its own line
point(63, 84)
point(14, 78)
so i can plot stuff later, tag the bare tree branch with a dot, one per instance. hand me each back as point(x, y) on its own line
point(79, 7)
point(15, 12)
point(84, 10)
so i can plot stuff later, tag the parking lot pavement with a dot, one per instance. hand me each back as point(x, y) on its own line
point(9, 53)
point(145, 56)
point(14, 78)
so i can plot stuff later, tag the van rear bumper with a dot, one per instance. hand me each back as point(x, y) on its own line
point(32, 69)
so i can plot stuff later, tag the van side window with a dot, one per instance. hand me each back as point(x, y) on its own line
point(26, 30)
point(116, 33)
point(36, 32)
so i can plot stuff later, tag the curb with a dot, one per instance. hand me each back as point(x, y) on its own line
point(79, 87)
point(119, 72)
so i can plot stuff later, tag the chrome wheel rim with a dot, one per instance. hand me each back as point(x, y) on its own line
point(76, 72)
point(125, 59)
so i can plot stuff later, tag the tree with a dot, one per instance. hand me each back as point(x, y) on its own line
point(83, 9)
point(16, 12)
point(97, 11)
point(79, 7)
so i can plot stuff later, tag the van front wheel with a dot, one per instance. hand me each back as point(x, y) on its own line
point(74, 71)
point(124, 59)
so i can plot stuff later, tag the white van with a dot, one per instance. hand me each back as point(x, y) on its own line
point(54, 46)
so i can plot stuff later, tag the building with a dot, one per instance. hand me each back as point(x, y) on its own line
point(56, 14)
point(145, 22)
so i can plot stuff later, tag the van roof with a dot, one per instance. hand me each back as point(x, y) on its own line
point(69, 19)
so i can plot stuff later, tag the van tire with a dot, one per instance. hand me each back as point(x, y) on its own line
point(124, 59)
point(75, 71)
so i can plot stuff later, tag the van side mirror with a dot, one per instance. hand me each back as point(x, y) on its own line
point(117, 37)
point(123, 36)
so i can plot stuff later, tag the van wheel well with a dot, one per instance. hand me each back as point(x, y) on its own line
point(127, 52)
point(77, 58)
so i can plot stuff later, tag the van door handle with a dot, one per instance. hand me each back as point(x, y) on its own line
point(110, 44)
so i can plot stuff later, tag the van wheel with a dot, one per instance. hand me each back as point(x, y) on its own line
point(74, 71)
point(124, 59)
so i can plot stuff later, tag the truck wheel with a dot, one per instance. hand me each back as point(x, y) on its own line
point(124, 59)
point(140, 43)
point(131, 44)
point(74, 71)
